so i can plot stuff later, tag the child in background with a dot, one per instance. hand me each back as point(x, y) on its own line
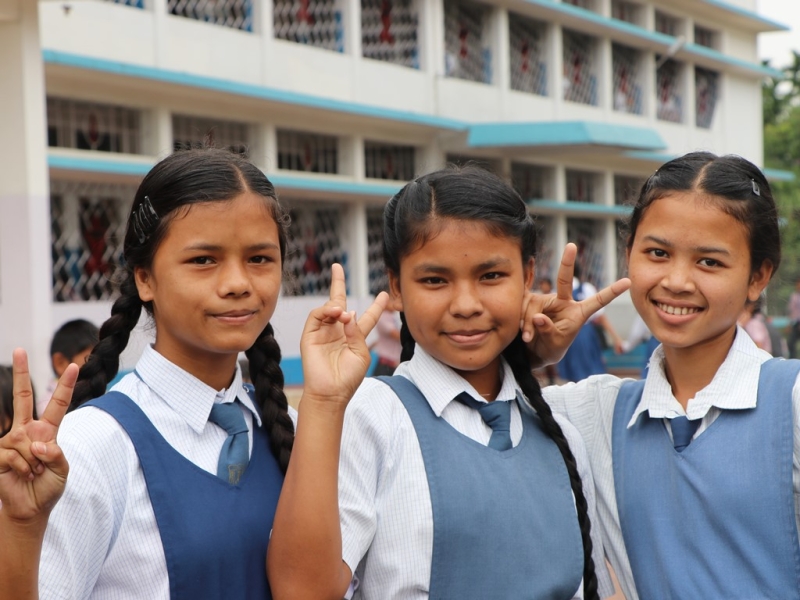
point(6, 400)
point(433, 501)
point(175, 474)
point(387, 346)
point(697, 467)
point(71, 343)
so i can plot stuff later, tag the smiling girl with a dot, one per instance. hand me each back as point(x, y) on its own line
point(454, 478)
point(697, 467)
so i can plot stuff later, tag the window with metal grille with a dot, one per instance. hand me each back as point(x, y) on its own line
point(580, 79)
point(315, 244)
point(87, 228)
point(625, 63)
point(532, 182)
point(669, 97)
point(312, 22)
point(626, 189)
point(706, 90)
point(668, 24)
point(467, 41)
point(587, 234)
point(625, 11)
point(581, 186)
point(93, 126)
point(197, 132)
point(386, 161)
point(527, 44)
point(703, 36)
point(587, 4)
point(546, 255)
point(132, 3)
point(490, 164)
point(389, 31)
point(237, 14)
point(622, 247)
point(312, 152)
point(378, 279)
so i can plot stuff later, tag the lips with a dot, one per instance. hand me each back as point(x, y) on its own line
point(468, 337)
point(678, 311)
point(234, 316)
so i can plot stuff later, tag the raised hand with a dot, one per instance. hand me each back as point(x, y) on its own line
point(33, 470)
point(551, 322)
point(333, 347)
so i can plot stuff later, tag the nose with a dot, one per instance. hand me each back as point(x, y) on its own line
point(466, 301)
point(233, 279)
point(678, 278)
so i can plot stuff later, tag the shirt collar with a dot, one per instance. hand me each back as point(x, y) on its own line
point(440, 384)
point(186, 394)
point(734, 387)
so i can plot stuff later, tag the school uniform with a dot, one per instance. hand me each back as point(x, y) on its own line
point(726, 427)
point(385, 501)
point(103, 538)
point(584, 357)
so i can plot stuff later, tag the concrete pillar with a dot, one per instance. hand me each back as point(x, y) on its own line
point(25, 260)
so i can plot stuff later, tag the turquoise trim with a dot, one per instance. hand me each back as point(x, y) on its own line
point(292, 368)
point(563, 133)
point(98, 165)
point(778, 175)
point(653, 36)
point(657, 157)
point(57, 57)
point(580, 208)
point(747, 14)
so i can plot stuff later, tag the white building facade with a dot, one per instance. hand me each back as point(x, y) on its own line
point(340, 102)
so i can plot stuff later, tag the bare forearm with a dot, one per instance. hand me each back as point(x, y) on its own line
point(305, 551)
point(20, 548)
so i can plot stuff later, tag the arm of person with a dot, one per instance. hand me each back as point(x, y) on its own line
point(304, 559)
point(551, 322)
point(33, 474)
point(616, 340)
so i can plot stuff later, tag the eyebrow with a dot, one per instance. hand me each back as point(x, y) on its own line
point(201, 246)
point(700, 249)
point(484, 266)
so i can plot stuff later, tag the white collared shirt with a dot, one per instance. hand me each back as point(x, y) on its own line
point(384, 499)
point(102, 540)
point(589, 405)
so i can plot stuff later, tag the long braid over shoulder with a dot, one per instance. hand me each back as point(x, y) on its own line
point(516, 357)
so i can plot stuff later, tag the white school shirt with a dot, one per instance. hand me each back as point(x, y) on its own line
point(589, 405)
point(102, 539)
point(383, 487)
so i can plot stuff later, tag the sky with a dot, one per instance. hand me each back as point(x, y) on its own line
point(778, 46)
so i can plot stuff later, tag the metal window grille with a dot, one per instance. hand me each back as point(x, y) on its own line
point(627, 79)
point(132, 3)
point(669, 99)
point(468, 53)
point(587, 4)
point(706, 94)
point(528, 54)
point(312, 22)
point(587, 234)
point(311, 152)
point(93, 126)
point(316, 243)
point(581, 186)
point(237, 14)
point(626, 189)
point(385, 161)
point(489, 164)
point(580, 81)
point(378, 280)
point(625, 11)
point(667, 24)
point(705, 37)
point(622, 248)
point(530, 181)
point(389, 31)
point(87, 227)
point(546, 256)
point(197, 132)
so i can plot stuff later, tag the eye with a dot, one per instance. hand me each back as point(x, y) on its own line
point(432, 280)
point(201, 260)
point(262, 260)
point(657, 253)
point(493, 275)
point(710, 262)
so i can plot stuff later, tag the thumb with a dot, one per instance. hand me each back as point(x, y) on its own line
point(52, 457)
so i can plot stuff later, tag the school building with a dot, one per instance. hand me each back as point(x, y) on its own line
point(340, 102)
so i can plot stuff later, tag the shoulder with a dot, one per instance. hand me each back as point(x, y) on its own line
point(374, 401)
point(90, 434)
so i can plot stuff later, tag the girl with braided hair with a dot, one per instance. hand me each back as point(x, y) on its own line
point(435, 498)
point(161, 501)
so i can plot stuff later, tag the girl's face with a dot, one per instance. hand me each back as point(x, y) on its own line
point(214, 283)
point(689, 267)
point(462, 293)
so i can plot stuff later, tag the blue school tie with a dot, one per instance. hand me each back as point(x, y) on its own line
point(235, 453)
point(682, 431)
point(496, 415)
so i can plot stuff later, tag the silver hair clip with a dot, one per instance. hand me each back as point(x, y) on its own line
point(756, 189)
point(145, 220)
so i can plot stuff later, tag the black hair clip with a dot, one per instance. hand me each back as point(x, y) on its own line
point(145, 220)
point(756, 189)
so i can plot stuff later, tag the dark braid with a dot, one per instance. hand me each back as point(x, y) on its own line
point(516, 356)
point(102, 364)
point(406, 340)
point(265, 371)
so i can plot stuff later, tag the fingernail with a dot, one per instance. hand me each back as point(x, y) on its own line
point(538, 321)
point(526, 336)
point(39, 468)
point(39, 448)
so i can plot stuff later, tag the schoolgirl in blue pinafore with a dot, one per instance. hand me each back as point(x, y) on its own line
point(585, 355)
